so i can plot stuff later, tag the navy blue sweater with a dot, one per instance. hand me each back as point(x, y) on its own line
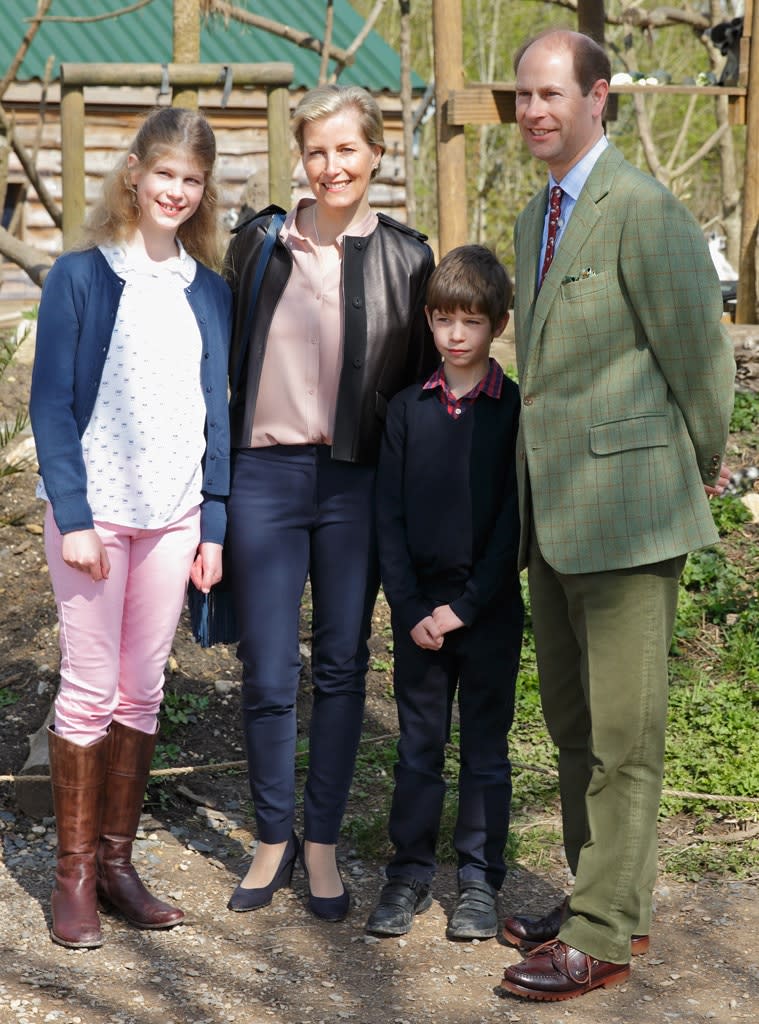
point(447, 512)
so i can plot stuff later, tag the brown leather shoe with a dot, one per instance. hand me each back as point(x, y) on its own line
point(527, 933)
point(555, 972)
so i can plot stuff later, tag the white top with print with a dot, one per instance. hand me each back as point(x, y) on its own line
point(145, 439)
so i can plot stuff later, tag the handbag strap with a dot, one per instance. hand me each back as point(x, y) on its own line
point(275, 224)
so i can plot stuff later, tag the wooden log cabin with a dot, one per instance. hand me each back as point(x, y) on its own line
point(113, 114)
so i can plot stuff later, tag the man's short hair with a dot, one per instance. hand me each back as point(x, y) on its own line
point(472, 278)
point(589, 58)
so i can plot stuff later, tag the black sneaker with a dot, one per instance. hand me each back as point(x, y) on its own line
point(400, 900)
point(475, 915)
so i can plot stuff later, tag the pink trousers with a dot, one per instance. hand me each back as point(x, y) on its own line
point(116, 635)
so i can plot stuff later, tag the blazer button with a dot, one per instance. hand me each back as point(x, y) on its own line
point(528, 400)
point(358, 244)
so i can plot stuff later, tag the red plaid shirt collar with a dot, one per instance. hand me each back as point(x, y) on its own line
point(490, 385)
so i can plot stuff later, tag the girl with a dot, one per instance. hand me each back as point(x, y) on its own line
point(129, 412)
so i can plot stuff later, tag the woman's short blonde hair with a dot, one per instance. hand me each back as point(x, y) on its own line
point(326, 100)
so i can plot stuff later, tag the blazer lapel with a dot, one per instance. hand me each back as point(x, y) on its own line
point(584, 218)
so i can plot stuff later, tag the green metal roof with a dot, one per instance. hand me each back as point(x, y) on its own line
point(145, 36)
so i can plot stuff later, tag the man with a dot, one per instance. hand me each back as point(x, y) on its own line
point(627, 381)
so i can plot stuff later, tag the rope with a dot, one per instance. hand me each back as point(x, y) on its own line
point(224, 766)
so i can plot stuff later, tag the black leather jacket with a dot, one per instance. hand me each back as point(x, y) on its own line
point(387, 344)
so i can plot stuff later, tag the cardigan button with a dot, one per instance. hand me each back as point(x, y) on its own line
point(358, 363)
point(356, 302)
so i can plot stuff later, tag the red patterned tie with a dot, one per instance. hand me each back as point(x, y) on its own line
point(554, 212)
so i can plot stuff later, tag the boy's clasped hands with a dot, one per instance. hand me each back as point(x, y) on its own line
point(431, 630)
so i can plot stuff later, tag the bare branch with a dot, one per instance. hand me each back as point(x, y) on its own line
point(30, 170)
point(368, 26)
point(296, 36)
point(701, 152)
point(92, 17)
point(407, 111)
point(682, 135)
point(32, 261)
point(329, 24)
point(647, 139)
point(26, 42)
point(638, 17)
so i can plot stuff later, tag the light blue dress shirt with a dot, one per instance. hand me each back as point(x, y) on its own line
point(572, 185)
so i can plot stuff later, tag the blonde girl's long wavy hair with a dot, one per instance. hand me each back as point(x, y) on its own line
point(116, 215)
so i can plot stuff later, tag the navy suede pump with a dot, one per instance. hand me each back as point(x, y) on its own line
point(253, 899)
point(328, 908)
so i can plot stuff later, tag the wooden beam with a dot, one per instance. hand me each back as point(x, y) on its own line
point(186, 48)
point(280, 169)
point(451, 150)
point(745, 309)
point(272, 73)
point(493, 102)
point(72, 161)
point(277, 76)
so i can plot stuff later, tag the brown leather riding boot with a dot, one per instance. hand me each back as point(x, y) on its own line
point(118, 884)
point(78, 780)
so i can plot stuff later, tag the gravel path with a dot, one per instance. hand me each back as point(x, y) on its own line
point(281, 965)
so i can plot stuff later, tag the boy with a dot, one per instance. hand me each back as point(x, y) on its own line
point(448, 529)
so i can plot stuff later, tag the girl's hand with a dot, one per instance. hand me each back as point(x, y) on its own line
point(84, 550)
point(206, 569)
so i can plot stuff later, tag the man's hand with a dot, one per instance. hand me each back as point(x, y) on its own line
point(718, 488)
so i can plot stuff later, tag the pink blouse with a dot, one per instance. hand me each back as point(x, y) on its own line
point(297, 394)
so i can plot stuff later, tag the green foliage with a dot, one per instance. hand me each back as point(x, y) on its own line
point(705, 858)
point(745, 413)
point(167, 755)
point(729, 513)
point(9, 431)
point(8, 698)
point(180, 708)
point(714, 588)
point(711, 739)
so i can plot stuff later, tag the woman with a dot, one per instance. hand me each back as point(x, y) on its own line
point(339, 328)
point(129, 412)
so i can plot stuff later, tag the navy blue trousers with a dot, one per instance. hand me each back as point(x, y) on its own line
point(295, 513)
point(481, 663)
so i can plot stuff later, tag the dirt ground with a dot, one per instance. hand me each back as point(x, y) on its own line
point(280, 964)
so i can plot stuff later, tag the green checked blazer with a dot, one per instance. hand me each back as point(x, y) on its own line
point(627, 377)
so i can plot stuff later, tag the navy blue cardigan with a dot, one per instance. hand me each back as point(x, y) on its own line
point(77, 312)
point(447, 511)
